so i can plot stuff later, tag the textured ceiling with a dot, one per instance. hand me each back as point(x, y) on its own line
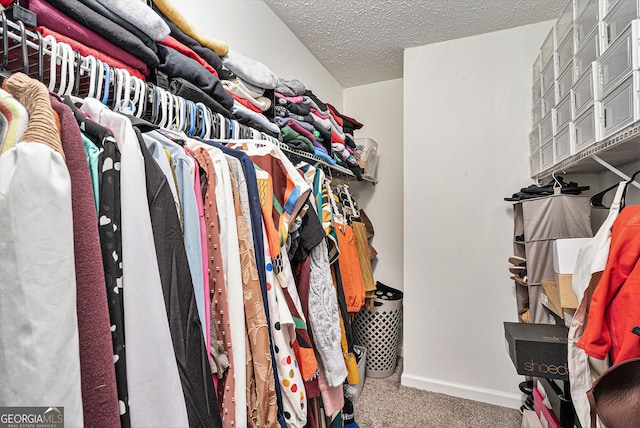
point(362, 41)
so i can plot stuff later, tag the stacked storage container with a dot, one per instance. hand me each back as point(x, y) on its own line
point(617, 68)
point(563, 126)
point(584, 91)
point(586, 80)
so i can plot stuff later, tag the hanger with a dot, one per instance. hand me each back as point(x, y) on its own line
point(596, 200)
point(101, 77)
point(107, 83)
point(71, 71)
point(5, 41)
point(53, 49)
point(24, 49)
point(40, 57)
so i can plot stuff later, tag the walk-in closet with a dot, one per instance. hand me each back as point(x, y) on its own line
point(319, 214)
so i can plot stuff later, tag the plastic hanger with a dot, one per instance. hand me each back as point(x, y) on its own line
point(53, 49)
point(40, 57)
point(596, 200)
point(5, 41)
point(107, 83)
point(24, 48)
point(100, 78)
point(63, 54)
point(69, 54)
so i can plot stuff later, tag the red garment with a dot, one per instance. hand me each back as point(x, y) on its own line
point(86, 51)
point(185, 50)
point(355, 123)
point(245, 103)
point(615, 304)
point(6, 3)
point(335, 114)
point(335, 138)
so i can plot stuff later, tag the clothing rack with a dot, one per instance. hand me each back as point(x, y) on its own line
point(21, 47)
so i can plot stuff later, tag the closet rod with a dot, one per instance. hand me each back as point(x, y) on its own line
point(613, 169)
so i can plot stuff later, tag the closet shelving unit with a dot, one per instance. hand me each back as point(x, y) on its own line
point(21, 49)
point(586, 68)
point(620, 149)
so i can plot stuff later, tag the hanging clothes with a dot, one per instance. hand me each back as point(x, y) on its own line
point(155, 392)
point(110, 231)
point(613, 311)
point(38, 281)
point(99, 393)
point(590, 263)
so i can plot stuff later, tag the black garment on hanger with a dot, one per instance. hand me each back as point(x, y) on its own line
point(110, 243)
point(179, 298)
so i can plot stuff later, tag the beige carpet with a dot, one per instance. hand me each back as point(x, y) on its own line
point(384, 403)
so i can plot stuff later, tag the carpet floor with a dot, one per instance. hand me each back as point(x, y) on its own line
point(384, 403)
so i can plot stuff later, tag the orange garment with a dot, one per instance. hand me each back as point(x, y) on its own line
point(350, 272)
point(613, 311)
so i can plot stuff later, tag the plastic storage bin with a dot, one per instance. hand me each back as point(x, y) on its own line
point(548, 78)
point(587, 53)
point(621, 107)
point(618, 19)
point(565, 21)
point(536, 114)
point(546, 127)
point(534, 139)
point(367, 155)
point(586, 131)
point(546, 154)
point(585, 91)
point(620, 59)
point(562, 114)
point(547, 48)
point(534, 163)
point(378, 330)
point(586, 22)
point(564, 53)
point(563, 143)
point(565, 81)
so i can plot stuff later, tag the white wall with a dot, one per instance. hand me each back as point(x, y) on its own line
point(379, 107)
point(252, 29)
point(466, 121)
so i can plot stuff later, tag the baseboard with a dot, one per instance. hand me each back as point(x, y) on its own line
point(469, 392)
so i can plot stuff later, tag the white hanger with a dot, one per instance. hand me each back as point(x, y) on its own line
point(99, 78)
point(62, 53)
point(92, 65)
point(54, 63)
point(143, 96)
point(71, 69)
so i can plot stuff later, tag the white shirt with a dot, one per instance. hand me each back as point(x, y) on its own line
point(155, 392)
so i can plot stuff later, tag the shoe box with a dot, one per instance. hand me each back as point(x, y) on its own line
point(561, 404)
point(538, 350)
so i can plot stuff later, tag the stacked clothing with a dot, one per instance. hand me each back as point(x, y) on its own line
point(331, 133)
point(122, 30)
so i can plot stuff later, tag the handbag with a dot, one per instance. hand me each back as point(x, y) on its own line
point(615, 396)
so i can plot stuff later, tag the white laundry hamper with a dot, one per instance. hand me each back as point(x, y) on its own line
point(378, 330)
